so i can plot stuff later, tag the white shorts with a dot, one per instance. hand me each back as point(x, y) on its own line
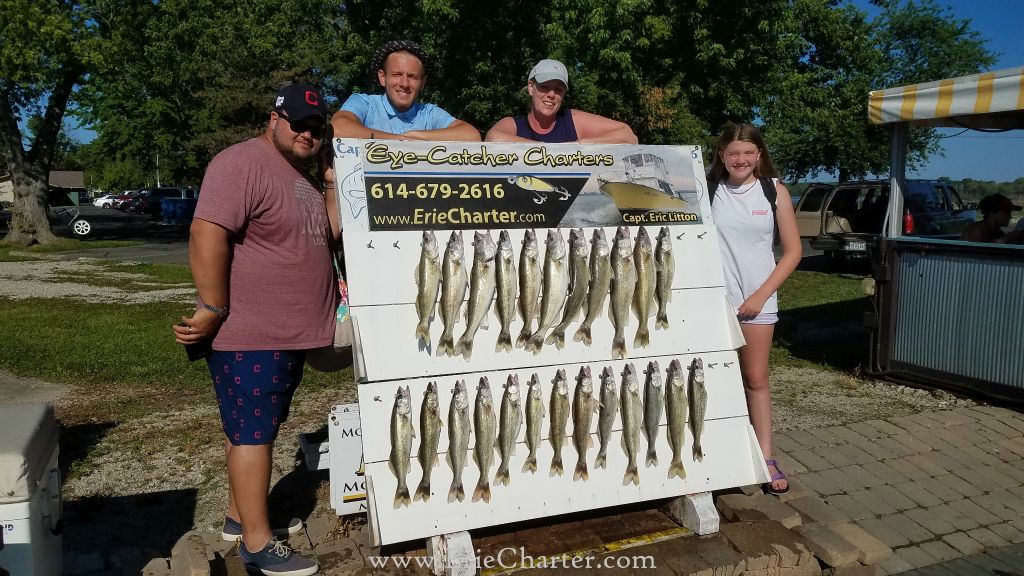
point(763, 318)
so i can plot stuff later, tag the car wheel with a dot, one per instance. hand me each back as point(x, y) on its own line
point(105, 205)
point(81, 228)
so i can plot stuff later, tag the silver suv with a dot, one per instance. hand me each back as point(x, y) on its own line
point(842, 219)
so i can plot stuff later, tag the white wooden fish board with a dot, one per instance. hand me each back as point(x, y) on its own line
point(382, 291)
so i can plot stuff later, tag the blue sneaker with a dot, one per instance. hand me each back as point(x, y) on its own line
point(276, 559)
point(232, 531)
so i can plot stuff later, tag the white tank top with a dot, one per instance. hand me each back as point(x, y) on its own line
point(746, 230)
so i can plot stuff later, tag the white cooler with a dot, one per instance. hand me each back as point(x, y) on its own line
point(30, 503)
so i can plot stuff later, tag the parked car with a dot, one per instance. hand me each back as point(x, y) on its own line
point(105, 201)
point(842, 219)
point(121, 199)
point(150, 202)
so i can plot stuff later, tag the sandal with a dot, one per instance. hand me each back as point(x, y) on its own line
point(779, 475)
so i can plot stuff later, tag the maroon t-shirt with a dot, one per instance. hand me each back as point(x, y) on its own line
point(282, 289)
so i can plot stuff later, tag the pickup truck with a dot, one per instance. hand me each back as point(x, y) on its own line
point(842, 219)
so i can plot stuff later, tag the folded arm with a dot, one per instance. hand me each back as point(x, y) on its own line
point(594, 129)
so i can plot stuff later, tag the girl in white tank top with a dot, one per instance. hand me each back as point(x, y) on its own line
point(746, 224)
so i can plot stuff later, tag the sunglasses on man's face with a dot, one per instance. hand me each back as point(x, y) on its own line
point(316, 129)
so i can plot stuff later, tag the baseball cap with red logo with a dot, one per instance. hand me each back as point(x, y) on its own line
point(299, 101)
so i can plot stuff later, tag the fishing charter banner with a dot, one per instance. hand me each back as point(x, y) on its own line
point(405, 185)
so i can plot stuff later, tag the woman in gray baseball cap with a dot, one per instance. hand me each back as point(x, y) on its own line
point(549, 121)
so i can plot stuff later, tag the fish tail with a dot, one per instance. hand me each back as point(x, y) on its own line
point(501, 476)
point(643, 337)
point(422, 491)
point(557, 337)
point(601, 461)
point(402, 497)
point(465, 347)
point(556, 466)
point(618, 347)
point(504, 341)
point(675, 468)
point(583, 335)
point(698, 452)
point(536, 342)
point(423, 331)
point(531, 464)
point(482, 491)
point(446, 345)
point(456, 492)
point(581, 471)
point(652, 457)
point(662, 321)
point(631, 476)
point(524, 336)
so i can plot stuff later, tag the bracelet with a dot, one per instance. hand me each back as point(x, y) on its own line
point(220, 311)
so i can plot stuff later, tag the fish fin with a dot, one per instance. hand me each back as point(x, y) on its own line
point(601, 461)
point(535, 343)
point(581, 471)
point(530, 465)
point(676, 469)
point(583, 335)
point(482, 491)
point(661, 322)
point(501, 476)
point(402, 497)
point(422, 491)
point(504, 341)
point(465, 347)
point(632, 475)
point(556, 466)
point(524, 336)
point(652, 458)
point(455, 492)
point(643, 336)
point(618, 347)
point(423, 331)
point(446, 346)
point(698, 452)
point(557, 337)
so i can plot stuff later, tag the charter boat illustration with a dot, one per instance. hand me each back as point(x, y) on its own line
point(643, 186)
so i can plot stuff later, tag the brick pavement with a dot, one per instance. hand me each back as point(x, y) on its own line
point(934, 493)
point(936, 486)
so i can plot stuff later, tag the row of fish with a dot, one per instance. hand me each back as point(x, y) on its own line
point(573, 279)
point(682, 397)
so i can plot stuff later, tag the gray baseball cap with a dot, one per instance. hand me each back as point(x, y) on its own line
point(548, 69)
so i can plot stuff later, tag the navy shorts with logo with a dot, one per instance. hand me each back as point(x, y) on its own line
point(254, 391)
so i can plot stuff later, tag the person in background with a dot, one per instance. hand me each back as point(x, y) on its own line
point(260, 258)
point(996, 210)
point(549, 121)
point(743, 215)
point(401, 68)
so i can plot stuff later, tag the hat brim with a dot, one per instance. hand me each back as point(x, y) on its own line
point(542, 78)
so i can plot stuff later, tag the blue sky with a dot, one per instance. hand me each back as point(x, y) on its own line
point(971, 154)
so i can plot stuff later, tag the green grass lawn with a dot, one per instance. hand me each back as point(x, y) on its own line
point(61, 245)
point(820, 322)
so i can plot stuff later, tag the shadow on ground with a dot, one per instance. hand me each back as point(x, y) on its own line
point(125, 532)
point(832, 334)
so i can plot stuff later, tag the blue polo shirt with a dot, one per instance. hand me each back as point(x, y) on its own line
point(376, 113)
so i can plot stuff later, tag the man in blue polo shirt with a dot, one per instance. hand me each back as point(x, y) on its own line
point(401, 68)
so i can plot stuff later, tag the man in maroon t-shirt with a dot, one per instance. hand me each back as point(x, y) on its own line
point(261, 261)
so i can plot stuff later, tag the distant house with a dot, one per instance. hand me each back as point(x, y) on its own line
point(6, 188)
point(66, 187)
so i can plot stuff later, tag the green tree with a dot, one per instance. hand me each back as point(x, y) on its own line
point(818, 120)
point(45, 47)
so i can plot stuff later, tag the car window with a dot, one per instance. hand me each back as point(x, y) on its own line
point(954, 199)
point(813, 198)
point(923, 199)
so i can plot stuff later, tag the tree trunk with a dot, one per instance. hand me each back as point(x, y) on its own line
point(30, 218)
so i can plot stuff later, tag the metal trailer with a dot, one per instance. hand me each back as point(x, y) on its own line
point(948, 314)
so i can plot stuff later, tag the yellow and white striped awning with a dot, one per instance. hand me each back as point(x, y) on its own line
point(987, 100)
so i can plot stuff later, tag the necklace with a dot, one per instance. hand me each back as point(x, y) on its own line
point(739, 189)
